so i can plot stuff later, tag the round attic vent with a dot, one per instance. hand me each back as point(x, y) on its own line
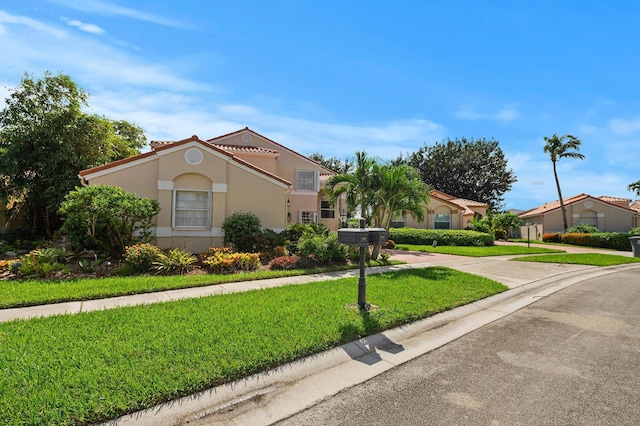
point(588, 204)
point(246, 138)
point(193, 156)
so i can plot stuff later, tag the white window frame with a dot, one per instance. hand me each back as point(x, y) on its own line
point(175, 209)
point(307, 180)
point(329, 211)
point(307, 217)
point(436, 221)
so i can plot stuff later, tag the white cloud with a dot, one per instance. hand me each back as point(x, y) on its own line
point(100, 7)
point(624, 127)
point(504, 115)
point(30, 23)
point(90, 28)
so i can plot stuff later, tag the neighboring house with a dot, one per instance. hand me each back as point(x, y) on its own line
point(636, 206)
point(608, 214)
point(200, 183)
point(446, 212)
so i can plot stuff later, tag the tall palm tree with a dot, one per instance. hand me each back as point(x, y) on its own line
point(558, 147)
point(356, 184)
point(399, 190)
point(635, 187)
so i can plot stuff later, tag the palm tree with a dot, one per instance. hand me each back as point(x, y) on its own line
point(358, 185)
point(558, 147)
point(635, 187)
point(399, 190)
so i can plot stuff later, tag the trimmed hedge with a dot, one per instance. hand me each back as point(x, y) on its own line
point(443, 237)
point(608, 240)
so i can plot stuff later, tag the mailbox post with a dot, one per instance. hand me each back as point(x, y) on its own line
point(362, 238)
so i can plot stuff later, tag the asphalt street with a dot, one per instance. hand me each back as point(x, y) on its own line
point(571, 358)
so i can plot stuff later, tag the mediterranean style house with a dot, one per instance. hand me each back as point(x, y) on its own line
point(199, 183)
point(608, 214)
point(447, 212)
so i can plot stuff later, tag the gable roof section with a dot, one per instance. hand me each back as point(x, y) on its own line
point(635, 206)
point(554, 205)
point(323, 171)
point(158, 150)
point(461, 203)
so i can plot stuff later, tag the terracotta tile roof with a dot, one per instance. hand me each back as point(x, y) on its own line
point(635, 206)
point(247, 129)
point(610, 199)
point(463, 203)
point(249, 149)
point(167, 145)
point(547, 207)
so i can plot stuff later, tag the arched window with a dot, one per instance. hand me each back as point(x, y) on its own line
point(588, 217)
point(442, 218)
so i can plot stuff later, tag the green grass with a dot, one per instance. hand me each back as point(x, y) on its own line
point(79, 369)
point(593, 259)
point(476, 251)
point(23, 293)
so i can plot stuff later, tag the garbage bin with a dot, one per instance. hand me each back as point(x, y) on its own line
point(635, 245)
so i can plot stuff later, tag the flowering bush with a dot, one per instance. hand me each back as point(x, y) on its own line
point(139, 258)
point(555, 237)
point(285, 263)
point(228, 263)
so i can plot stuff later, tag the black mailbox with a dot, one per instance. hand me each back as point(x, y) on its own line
point(354, 237)
point(377, 236)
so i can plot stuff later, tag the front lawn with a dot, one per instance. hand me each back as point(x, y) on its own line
point(14, 293)
point(477, 251)
point(593, 259)
point(91, 367)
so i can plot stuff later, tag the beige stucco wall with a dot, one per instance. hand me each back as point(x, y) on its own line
point(610, 218)
point(233, 187)
point(437, 206)
point(286, 165)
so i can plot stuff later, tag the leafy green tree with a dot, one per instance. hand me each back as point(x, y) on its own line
point(357, 183)
point(500, 225)
point(566, 146)
point(107, 218)
point(465, 168)
point(46, 139)
point(332, 163)
point(398, 191)
point(635, 187)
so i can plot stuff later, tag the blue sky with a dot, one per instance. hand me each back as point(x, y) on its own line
point(335, 77)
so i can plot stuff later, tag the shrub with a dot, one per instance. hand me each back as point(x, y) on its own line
point(284, 263)
point(634, 231)
point(175, 261)
point(609, 240)
point(577, 239)
point(107, 218)
point(582, 229)
point(42, 262)
point(229, 263)
point(321, 250)
point(271, 245)
point(555, 237)
point(139, 258)
point(441, 237)
point(242, 230)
